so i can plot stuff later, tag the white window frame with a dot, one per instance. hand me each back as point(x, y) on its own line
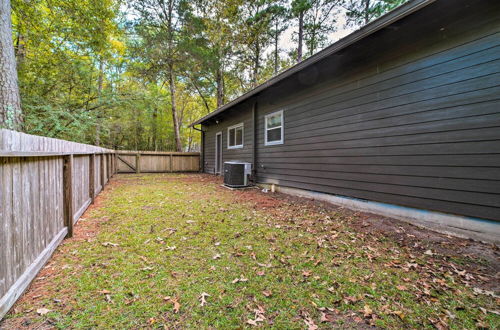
point(272, 143)
point(239, 146)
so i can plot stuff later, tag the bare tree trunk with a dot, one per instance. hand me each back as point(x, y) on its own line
point(177, 137)
point(155, 129)
point(205, 103)
point(276, 40)
point(220, 87)
point(312, 42)
point(367, 11)
point(10, 100)
point(301, 36)
point(256, 66)
point(190, 139)
point(136, 129)
point(171, 78)
point(100, 80)
point(20, 49)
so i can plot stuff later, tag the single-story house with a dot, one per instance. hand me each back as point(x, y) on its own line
point(399, 117)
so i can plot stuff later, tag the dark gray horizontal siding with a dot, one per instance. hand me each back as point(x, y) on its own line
point(476, 66)
point(421, 129)
point(336, 106)
point(480, 211)
point(483, 115)
point(434, 172)
point(398, 186)
point(477, 128)
point(209, 150)
point(351, 149)
point(482, 160)
point(485, 89)
point(242, 154)
point(474, 185)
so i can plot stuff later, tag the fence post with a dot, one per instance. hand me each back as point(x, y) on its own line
point(108, 167)
point(111, 155)
point(171, 163)
point(92, 178)
point(105, 158)
point(115, 156)
point(138, 163)
point(68, 193)
point(102, 171)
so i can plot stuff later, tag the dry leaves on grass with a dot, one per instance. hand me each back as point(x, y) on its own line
point(311, 325)
point(107, 295)
point(238, 280)
point(264, 265)
point(175, 301)
point(258, 316)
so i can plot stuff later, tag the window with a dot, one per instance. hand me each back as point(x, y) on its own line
point(235, 136)
point(273, 133)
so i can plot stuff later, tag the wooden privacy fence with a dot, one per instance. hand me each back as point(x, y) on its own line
point(157, 162)
point(45, 186)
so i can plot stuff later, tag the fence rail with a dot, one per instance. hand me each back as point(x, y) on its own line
point(45, 187)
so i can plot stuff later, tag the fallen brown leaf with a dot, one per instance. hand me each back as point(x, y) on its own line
point(110, 244)
point(367, 311)
point(42, 311)
point(241, 279)
point(104, 291)
point(175, 301)
point(203, 301)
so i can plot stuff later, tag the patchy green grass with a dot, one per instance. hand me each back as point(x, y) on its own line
point(149, 251)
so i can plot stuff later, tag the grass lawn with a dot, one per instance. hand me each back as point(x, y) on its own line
point(180, 251)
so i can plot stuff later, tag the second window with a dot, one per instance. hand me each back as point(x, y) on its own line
point(235, 136)
point(273, 133)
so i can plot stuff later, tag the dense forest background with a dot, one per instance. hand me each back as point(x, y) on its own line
point(134, 74)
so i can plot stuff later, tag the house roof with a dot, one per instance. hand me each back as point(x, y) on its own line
point(367, 30)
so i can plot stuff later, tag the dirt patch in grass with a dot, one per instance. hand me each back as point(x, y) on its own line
point(180, 251)
point(259, 199)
